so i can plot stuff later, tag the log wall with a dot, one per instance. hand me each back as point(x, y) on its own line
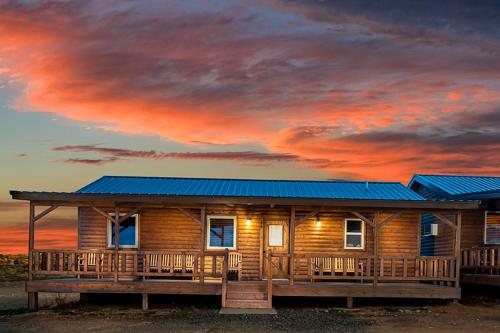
point(169, 229)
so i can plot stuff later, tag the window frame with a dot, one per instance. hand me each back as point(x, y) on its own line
point(362, 234)
point(136, 240)
point(486, 226)
point(235, 228)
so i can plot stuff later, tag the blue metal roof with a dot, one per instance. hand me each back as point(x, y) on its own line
point(464, 187)
point(250, 188)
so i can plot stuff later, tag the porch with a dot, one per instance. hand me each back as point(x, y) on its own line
point(311, 275)
point(481, 265)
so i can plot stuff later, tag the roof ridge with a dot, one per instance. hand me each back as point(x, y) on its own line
point(253, 179)
point(442, 175)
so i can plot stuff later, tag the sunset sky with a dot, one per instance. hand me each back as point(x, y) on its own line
point(241, 89)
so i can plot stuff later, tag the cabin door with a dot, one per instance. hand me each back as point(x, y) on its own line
point(276, 238)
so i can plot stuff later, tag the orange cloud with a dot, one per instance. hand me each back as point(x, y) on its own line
point(455, 96)
point(385, 96)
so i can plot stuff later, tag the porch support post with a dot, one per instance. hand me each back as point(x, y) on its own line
point(32, 301)
point(32, 296)
point(202, 244)
point(145, 302)
point(117, 240)
point(458, 256)
point(292, 245)
point(31, 242)
point(375, 248)
point(350, 302)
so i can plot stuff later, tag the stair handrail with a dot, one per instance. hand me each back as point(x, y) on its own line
point(225, 270)
point(270, 278)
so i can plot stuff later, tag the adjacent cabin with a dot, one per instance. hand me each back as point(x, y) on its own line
point(245, 240)
point(480, 240)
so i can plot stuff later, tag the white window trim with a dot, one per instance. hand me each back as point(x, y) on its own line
point(486, 225)
point(235, 225)
point(136, 245)
point(362, 233)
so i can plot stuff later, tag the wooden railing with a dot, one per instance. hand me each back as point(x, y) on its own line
point(482, 260)
point(101, 263)
point(327, 267)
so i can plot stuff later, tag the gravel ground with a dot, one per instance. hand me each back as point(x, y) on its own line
point(200, 314)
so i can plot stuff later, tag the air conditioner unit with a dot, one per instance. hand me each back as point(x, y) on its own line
point(434, 229)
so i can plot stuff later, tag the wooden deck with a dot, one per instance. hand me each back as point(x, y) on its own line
point(279, 288)
point(481, 265)
point(218, 273)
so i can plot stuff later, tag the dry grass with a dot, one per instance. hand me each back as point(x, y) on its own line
point(13, 267)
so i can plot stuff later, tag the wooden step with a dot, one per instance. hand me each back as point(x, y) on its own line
point(246, 295)
point(246, 287)
point(247, 304)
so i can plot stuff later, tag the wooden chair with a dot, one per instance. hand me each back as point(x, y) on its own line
point(164, 267)
point(339, 265)
point(91, 260)
point(316, 264)
point(178, 262)
point(234, 263)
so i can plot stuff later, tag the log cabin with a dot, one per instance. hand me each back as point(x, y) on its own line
point(480, 240)
point(246, 241)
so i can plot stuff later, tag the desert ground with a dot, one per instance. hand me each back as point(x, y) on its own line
point(66, 313)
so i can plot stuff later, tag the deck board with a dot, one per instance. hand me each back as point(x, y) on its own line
point(280, 288)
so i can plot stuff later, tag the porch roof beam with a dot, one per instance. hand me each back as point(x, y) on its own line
point(189, 214)
point(389, 219)
point(445, 220)
point(307, 217)
point(104, 214)
point(45, 212)
point(363, 218)
point(129, 214)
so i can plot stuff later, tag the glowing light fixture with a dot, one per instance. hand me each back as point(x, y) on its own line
point(318, 221)
point(248, 221)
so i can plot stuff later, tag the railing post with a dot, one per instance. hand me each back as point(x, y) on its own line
point(457, 249)
point(375, 250)
point(117, 240)
point(202, 243)
point(224, 277)
point(270, 279)
point(292, 245)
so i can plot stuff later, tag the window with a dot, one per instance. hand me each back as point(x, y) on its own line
point(354, 234)
point(426, 230)
point(430, 229)
point(275, 235)
point(221, 232)
point(129, 232)
point(492, 228)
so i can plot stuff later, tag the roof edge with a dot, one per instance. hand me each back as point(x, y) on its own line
point(62, 197)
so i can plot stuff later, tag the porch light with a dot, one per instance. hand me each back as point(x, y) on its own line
point(318, 221)
point(248, 221)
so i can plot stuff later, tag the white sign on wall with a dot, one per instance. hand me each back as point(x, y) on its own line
point(275, 235)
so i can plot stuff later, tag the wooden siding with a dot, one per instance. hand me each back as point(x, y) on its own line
point(471, 235)
point(169, 229)
point(398, 237)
